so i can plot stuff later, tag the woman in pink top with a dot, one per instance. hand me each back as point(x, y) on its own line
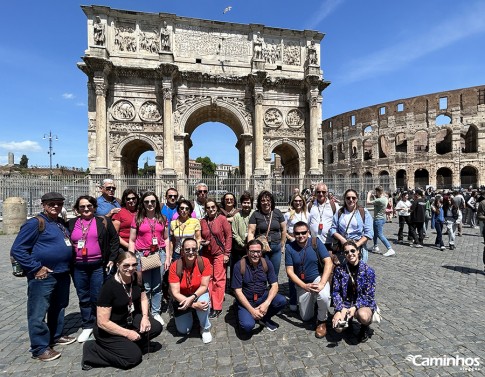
point(123, 219)
point(96, 246)
point(149, 235)
point(217, 243)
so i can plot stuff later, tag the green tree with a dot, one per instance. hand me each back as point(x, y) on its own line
point(208, 167)
point(24, 161)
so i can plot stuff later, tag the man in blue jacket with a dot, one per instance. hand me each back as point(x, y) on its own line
point(44, 251)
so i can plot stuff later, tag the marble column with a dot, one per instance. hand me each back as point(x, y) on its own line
point(168, 132)
point(258, 129)
point(315, 103)
point(101, 88)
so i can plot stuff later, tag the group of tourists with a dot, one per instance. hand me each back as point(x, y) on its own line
point(122, 253)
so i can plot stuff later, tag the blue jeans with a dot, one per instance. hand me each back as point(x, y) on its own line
point(438, 225)
point(88, 280)
point(246, 320)
point(378, 233)
point(185, 321)
point(274, 257)
point(152, 280)
point(46, 296)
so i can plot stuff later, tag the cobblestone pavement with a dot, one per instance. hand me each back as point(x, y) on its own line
point(432, 302)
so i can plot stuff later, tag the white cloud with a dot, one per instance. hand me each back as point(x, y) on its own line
point(20, 146)
point(417, 45)
point(68, 96)
point(327, 7)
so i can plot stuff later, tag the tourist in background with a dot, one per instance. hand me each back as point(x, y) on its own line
point(123, 219)
point(452, 217)
point(96, 246)
point(402, 208)
point(437, 221)
point(380, 202)
point(148, 236)
point(217, 244)
point(418, 215)
point(269, 222)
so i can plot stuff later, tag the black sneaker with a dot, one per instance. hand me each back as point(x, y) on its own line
point(363, 335)
point(214, 314)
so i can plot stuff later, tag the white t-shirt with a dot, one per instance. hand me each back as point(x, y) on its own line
point(321, 214)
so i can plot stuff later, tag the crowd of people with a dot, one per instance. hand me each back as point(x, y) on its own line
point(127, 256)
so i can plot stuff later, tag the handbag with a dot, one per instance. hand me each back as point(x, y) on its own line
point(264, 239)
point(150, 262)
point(376, 316)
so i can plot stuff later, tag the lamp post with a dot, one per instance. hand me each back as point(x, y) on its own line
point(50, 152)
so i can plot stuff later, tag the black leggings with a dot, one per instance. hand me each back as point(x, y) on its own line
point(117, 351)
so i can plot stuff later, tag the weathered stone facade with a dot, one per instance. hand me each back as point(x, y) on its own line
point(154, 78)
point(436, 139)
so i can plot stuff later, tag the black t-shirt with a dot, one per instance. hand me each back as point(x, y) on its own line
point(261, 220)
point(114, 296)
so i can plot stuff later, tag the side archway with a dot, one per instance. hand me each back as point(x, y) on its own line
point(130, 149)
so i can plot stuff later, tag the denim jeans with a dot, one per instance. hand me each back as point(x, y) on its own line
point(185, 321)
point(46, 296)
point(378, 233)
point(438, 225)
point(152, 280)
point(88, 280)
point(246, 320)
point(274, 257)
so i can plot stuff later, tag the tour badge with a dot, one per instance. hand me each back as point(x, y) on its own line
point(302, 276)
point(255, 297)
point(154, 245)
point(67, 241)
point(320, 226)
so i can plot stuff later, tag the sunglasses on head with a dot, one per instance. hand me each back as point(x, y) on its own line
point(347, 252)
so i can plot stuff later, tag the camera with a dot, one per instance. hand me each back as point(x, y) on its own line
point(342, 324)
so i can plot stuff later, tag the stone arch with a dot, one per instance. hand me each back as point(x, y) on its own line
point(367, 149)
point(401, 179)
point(354, 149)
point(383, 146)
point(444, 140)
point(469, 176)
point(421, 178)
point(421, 141)
point(129, 150)
point(330, 155)
point(384, 180)
point(469, 139)
point(443, 119)
point(341, 151)
point(401, 143)
point(444, 178)
point(290, 153)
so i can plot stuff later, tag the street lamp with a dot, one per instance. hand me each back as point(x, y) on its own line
point(50, 152)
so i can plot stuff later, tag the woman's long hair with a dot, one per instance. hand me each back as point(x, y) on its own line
point(142, 212)
point(292, 207)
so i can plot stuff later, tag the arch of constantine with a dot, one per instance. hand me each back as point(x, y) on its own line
point(153, 78)
point(436, 139)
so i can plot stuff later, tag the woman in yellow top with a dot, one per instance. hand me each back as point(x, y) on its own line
point(183, 227)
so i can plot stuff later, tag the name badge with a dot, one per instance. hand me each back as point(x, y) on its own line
point(302, 276)
point(154, 241)
point(81, 244)
point(255, 297)
point(131, 308)
point(67, 241)
point(320, 226)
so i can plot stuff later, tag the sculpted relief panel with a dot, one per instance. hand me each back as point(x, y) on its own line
point(150, 112)
point(195, 41)
point(295, 118)
point(123, 110)
point(125, 37)
point(149, 41)
point(273, 118)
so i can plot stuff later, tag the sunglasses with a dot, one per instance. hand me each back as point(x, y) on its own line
point(202, 191)
point(297, 201)
point(300, 233)
point(127, 266)
point(351, 198)
point(211, 207)
point(186, 209)
point(149, 201)
point(229, 199)
point(131, 199)
point(321, 192)
point(172, 196)
point(347, 252)
point(110, 188)
point(53, 204)
point(89, 206)
point(190, 250)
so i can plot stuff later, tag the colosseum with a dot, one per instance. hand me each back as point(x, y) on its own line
point(435, 139)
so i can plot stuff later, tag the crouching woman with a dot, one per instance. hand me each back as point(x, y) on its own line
point(123, 328)
point(353, 293)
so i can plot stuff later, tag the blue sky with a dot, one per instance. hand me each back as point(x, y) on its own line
point(374, 51)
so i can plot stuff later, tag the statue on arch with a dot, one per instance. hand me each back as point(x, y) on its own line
point(165, 37)
point(99, 36)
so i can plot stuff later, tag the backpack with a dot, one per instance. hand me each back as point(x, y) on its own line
point(180, 266)
point(244, 262)
point(361, 211)
point(332, 204)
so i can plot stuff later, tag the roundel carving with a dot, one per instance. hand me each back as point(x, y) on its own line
point(123, 110)
point(273, 118)
point(150, 112)
point(295, 118)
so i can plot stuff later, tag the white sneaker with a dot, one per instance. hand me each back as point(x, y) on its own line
point(389, 253)
point(84, 336)
point(158, 317)
point(375, 249)
point(206, 336)
point(443, 247)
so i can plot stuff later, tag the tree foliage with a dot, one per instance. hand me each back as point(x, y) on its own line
point(24, 161)
point(208, 167)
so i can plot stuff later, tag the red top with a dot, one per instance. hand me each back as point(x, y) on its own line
point(220, 228)
point(191, 280)
point(125, 217)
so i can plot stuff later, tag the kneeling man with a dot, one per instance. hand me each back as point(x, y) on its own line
point(312, 283)
point(250, 280)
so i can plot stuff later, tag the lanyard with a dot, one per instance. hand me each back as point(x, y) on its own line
point(62, 229)
point(84, 229)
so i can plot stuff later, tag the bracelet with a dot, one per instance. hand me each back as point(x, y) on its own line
point(195, 295)
point(144, 315)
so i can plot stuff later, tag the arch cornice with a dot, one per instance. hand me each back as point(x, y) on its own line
point(145, 138)
point(279, 142)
